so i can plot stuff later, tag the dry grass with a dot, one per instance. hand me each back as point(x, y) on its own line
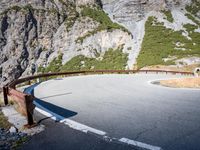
point(182, 83)
point(4, 121)
point(189, 68)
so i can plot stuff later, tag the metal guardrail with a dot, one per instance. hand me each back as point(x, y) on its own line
point(25, 101)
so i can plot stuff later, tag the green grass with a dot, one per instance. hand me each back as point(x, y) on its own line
point(112, 59)
point(54, 65)
point(105, 23)
point(4, 121)
point(192, 10)
point(18, 143)
point(193, 19)
point(169, 16)
point(194, 7)
point(160, 42)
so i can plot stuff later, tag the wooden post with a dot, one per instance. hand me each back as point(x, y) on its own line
point(5, 95)
point(28, 101)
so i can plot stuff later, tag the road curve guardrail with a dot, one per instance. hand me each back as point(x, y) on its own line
point(25, 101)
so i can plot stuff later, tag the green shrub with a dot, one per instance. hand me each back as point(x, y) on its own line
point(54, 65)
point(169, 16)
point(112, 59)
point(193, 19)
point(105, 23)
point(160, 42)
point(194, 7)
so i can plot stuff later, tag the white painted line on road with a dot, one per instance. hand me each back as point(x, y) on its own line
point(73, 124)
point(45, 113)
point(82, 127)
point(139, 144)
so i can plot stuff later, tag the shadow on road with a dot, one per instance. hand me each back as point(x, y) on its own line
point(56, 111)
point(59, 112)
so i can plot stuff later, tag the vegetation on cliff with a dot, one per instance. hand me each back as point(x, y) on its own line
point(161, 42)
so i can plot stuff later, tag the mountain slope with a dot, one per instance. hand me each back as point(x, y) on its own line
point(173, 34)
point(61, 35)
point(37, 32)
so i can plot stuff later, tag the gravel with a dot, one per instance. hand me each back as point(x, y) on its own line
point(11, 140)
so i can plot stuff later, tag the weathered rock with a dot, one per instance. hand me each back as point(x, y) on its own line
point(12, 129)
point(8, 139)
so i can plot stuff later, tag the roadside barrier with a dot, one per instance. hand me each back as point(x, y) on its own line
point(25, 101)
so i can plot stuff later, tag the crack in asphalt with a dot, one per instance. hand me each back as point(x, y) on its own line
point(145, 131)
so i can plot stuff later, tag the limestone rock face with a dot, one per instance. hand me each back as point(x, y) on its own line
point(88, 2)
point(37, 31)
point(127, 10)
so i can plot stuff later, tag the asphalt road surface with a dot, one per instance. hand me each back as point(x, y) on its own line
point(128, 106)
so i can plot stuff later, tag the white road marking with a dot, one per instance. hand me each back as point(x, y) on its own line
point(84, 128)
point(139, 144)
point(45, 113)
point(73, 124)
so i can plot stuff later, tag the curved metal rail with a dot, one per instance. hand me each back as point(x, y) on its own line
point(25, 101)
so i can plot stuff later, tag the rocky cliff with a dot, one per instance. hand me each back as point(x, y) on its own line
point(39, 31)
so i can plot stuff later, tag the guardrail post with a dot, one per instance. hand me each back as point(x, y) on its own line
point(29, 109)
point(5, 95)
